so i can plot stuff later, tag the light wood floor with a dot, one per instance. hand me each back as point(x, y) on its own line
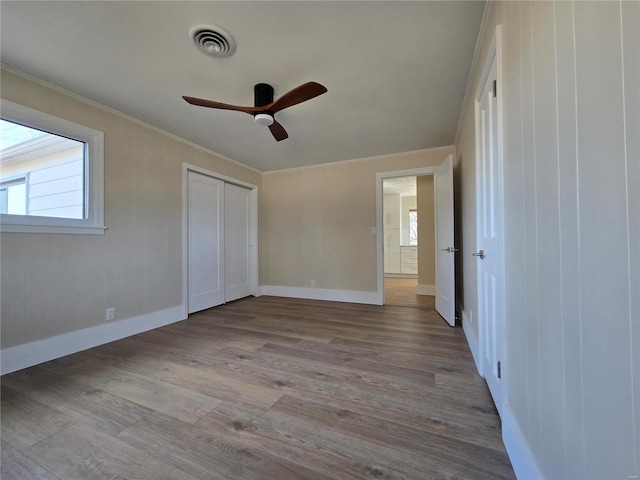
point(261, 388)
point(402, 292)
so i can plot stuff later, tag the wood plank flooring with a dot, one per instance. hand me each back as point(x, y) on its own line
point(401, 292)
point(261, 388)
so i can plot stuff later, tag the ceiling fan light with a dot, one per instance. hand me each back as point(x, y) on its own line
point(264, 119)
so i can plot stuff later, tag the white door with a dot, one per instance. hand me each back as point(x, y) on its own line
point(445, 250)
point(205, 211)
point(489, 241)
point(236, 253)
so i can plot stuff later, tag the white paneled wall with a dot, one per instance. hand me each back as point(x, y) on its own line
point(572, 212)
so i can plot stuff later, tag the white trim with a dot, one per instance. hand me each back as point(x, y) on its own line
point(364, 159)
point(522, 460)
point(424, 289)
point(82, 99)
point(349, 296)
point(254, 246)
point(401, 275)
point(93, 177)
point(253, 228)
point(494, 54)
point(472, 339)
point(34, 353)
point(23, 228)
point(219, 176)
point(472, 70)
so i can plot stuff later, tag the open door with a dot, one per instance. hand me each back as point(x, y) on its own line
point(445, 250)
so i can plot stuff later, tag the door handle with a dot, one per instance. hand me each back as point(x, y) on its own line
point(450, 249)
point(479, 253)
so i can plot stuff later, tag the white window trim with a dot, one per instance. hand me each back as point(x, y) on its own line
point(93, 223)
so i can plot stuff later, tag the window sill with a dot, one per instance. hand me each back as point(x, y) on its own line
point(73, 230)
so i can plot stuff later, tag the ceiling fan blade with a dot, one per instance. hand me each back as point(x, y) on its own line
point(222, 106)
point(300, 94)
point(278, 131)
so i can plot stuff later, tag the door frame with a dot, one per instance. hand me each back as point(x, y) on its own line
point(253, 228)
point(380, 176)
point(494, 54)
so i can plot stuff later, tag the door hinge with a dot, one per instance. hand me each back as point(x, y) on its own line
point(495, 88)
point(499, 369)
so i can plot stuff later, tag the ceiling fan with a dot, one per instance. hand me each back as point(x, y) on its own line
point(265, 108)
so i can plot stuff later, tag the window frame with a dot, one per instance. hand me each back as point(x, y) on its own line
point(9, 182)
point(93, 221)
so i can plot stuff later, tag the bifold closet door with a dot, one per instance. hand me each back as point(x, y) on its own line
point(236, 231)
point(206, 241)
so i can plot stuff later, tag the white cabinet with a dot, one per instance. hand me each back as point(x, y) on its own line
point(392, 251)
point(397, 258)
point(392, 233)
point(409, 259)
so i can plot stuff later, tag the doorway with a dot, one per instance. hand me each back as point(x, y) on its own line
point(409, 241)
point(219, 239)
point(444, 284)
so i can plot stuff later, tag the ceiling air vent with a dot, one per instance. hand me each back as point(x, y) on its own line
point(212, 40)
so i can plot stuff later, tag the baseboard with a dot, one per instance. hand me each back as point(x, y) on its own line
point(472, 339)
point(349, 296)
point(522, 460)
point(400, 275)
point(426, 289)
point(33, 353)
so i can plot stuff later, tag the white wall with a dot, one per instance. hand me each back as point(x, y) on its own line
point(572, 234)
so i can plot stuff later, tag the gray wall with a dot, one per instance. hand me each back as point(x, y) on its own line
point(572, 231)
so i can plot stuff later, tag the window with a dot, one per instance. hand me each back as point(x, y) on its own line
point(413, 227)
point(51, 174)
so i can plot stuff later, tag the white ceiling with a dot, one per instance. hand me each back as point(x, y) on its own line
point(403, 186)
point(396, 71)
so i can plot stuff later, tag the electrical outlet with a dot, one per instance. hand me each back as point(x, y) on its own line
point(111, 313)
point(313, 283)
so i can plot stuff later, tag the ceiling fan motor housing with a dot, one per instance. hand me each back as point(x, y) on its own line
point(263, 95)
